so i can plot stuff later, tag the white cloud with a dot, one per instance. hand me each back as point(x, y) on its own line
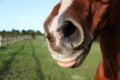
point(22, 20)
point(1, 22)
point(28, 20)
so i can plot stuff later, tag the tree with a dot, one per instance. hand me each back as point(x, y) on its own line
point(38, 33)
point(31, 33)
point(3, 33)
point(23, 32)
point(15, 32)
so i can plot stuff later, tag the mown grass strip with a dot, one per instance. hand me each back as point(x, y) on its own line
point(31, 60)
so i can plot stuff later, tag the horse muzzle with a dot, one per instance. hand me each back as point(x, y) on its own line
point(67, 44)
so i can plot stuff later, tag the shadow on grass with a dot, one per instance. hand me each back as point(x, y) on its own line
point(38, 70)
point(7, 63)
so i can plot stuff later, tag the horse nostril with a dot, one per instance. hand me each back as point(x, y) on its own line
point(71, 34)
point(68, 29)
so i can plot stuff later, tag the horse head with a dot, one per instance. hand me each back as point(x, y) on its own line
point(71, 27)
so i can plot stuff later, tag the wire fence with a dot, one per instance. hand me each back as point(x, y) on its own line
point(7, 40)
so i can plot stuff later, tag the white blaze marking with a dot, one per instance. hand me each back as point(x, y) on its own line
point(65, 4)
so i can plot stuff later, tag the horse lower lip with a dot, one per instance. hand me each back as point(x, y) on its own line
point(67, 64)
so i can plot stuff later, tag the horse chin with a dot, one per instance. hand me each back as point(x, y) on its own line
point(75, 62)
point(80, 59)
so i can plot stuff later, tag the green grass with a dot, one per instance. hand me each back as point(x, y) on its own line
point(31, 60)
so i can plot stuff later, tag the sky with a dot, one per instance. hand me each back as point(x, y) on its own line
point(24, 14)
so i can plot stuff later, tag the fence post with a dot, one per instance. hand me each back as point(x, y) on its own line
point(0, 41)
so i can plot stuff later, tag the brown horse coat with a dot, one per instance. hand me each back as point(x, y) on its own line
point(91, 19)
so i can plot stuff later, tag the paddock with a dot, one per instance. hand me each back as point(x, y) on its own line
point(31, 59)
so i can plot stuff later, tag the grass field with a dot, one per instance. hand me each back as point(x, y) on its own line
point(31, 60)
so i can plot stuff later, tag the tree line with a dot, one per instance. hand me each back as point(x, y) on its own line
point(23, 32)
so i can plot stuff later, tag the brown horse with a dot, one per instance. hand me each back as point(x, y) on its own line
point(73, 25)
